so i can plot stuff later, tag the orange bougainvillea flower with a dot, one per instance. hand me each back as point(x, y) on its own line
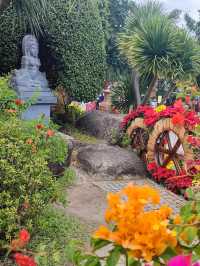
point(50, 133)
point(102, 233)
point(144, 234)
point(19, 102)
point(178, 119)
point(39, 126)
point(177, 219)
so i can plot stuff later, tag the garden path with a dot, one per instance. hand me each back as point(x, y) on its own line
point(87, 196)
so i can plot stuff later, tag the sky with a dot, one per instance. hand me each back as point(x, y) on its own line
point(188, 6)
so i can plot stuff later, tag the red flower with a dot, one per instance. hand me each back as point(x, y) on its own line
point(50, 133)
point(152, 166)
point(179, 182)
point(19, 102)
point(24, 236)
point(23, 260)
point(187, 99)
point(178, 104)
point(178, 119)
point(191, 119)
point(131, 116)
point(39, 126)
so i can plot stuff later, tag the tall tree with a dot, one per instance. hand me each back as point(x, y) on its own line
point(118, 12)
point(193, 25)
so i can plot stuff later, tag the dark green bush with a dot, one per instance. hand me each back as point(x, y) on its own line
point(11, 35)
point(76, 42)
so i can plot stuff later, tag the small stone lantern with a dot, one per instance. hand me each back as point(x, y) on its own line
point(105, 106)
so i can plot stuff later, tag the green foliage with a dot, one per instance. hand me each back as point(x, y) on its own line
point(7, 95)
point(11, 34)
point(118, 12)
point(26, 182)
point(80, 135)
point(64, 181)
point(122, 94)
point(52, 235)
point(76, 42)
point(53, 149)
point(154, 45)
point(74, 112)
point(30, 13)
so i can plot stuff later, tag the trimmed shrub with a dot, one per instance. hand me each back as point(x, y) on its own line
point(76, 42)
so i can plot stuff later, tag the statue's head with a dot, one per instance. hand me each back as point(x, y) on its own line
point(30, 46)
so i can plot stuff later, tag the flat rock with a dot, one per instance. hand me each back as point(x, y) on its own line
point(100, 124)
point(109, 162)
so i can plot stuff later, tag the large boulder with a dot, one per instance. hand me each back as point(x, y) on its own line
point(109, 161)
point(101, 124)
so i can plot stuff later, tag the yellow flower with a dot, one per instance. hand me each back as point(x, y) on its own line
point(170, 165)
point(160, 108)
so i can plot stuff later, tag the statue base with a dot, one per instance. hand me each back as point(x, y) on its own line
point(41, 107)
point(36, 111)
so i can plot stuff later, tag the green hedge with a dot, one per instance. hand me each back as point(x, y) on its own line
point(72, 51)
point(11, 34)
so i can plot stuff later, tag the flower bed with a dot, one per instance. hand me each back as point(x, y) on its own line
point(163, 124)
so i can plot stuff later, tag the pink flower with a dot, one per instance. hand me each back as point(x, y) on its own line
point(196, 263)
point(182, 260)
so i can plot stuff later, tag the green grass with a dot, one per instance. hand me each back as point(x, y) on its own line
point(53, 233)
point(80, 135)
point(55, 230)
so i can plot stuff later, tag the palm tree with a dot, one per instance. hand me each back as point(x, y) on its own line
point(154, 46)
point(31, 12)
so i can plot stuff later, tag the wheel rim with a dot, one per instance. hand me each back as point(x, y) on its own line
point(169, 148)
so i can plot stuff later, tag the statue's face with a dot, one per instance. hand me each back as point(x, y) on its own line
point(33, 49)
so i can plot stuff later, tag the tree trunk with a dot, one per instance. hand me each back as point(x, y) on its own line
point(152, 86)
point(173, 86)
point(4, 4)
point(136, 86)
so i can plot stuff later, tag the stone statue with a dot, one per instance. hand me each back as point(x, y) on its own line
point(28, 79)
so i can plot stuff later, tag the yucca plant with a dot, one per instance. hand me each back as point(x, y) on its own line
point(155, 46)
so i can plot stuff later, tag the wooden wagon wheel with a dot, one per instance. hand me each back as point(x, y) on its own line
point(167, 144)
point(138, 133)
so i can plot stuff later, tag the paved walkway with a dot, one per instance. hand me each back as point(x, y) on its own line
point(167, 197)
